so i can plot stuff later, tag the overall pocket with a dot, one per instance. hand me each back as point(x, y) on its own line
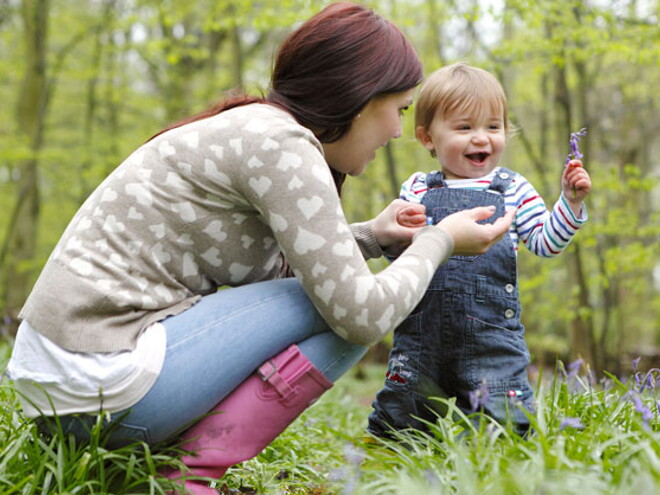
point(495, 353)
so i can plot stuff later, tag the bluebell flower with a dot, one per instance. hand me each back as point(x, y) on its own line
point(641, 408)
point(431, 478)
point(574, 145)
point(479, 397)
point(571, 422)
point(353, 455)
point(574, 367)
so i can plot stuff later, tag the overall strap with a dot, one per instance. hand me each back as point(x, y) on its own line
point(502, 180)
point(435, 179)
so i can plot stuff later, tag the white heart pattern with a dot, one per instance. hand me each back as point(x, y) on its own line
point(141, 194)
point(158, 230)
point(185, 211)
point(211, 171)
point(363, 285)
point(237, 145)
point(160, 254)
point(277, 222)
point(256, 126)
point(270, 145)
point(307, 241)
point(218, 151)
point(384, 323)
point(295, 183)
point(108, 195)
point(344, 249)
point(190, 268)
point(165, 149)
point(214, 229)
point(289, 160)
point(260, 185)
point(318, 269)
point(191, 139)
point(211, 256)
point(325, 291)
point(134, 214)
point(247, 241)
point(310, 207)
point(254, 162)
point(81, 266)
point(112, 225)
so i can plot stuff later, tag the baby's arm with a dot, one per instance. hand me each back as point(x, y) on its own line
point(575, 185)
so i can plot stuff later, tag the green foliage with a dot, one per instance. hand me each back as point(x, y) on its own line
point(596, 438)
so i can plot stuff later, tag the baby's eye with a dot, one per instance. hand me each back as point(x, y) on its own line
point(402, 110)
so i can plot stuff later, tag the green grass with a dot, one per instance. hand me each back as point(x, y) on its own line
point(612, 447)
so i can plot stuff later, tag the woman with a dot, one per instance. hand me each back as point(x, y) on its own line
point(126, 317)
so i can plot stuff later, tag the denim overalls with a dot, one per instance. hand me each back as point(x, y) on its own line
point(465, 336)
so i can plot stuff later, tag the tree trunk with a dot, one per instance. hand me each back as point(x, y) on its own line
point(92, 99)
point(581, 333)
point(19, 246)
point(392, 176)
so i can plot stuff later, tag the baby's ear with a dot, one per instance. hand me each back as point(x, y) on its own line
point(424, 137)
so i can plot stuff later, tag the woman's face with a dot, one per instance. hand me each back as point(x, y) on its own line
point(377, 123)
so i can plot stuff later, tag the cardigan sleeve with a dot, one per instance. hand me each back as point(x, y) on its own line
point(293, 190)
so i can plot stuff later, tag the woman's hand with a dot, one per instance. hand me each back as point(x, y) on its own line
point(471, 237)
point(398, 223)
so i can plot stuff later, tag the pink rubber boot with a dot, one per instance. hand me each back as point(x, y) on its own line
point(251, 417)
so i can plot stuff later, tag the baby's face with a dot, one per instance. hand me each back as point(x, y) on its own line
point(468, 145)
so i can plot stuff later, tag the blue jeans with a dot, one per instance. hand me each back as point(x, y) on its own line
point(214, 346)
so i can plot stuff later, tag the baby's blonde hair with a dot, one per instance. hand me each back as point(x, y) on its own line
point(460, 87)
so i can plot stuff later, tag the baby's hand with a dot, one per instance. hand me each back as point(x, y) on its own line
point(575, 183)
point(412, 216)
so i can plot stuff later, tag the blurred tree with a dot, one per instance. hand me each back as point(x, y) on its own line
point(102, 76)
point(19, 244)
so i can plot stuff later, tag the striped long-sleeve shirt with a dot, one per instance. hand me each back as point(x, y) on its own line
point(545, 233)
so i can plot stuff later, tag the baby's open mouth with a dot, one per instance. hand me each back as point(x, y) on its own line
point(477, 157)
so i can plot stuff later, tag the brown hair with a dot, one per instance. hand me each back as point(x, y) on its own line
point(460, 87)
point(329, 68)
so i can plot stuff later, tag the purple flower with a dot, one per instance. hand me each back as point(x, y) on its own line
point(353, 455)
point(570, 422)
point(640, 407)
point(431, 478)
point(479, 397)
point(575, 149)
point(650, 379)
point(574, 367)
point(635, 363)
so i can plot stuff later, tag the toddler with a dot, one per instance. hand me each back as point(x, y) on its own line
point(465, 338)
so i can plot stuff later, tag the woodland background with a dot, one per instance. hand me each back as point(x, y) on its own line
point(84, 82)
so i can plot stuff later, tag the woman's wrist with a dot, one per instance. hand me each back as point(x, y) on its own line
point(442, 240)
point(363, 233)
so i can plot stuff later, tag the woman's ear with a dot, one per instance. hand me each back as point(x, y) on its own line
point(424, 137)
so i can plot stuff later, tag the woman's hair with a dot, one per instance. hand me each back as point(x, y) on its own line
point(460, 87)
point(329, 68)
